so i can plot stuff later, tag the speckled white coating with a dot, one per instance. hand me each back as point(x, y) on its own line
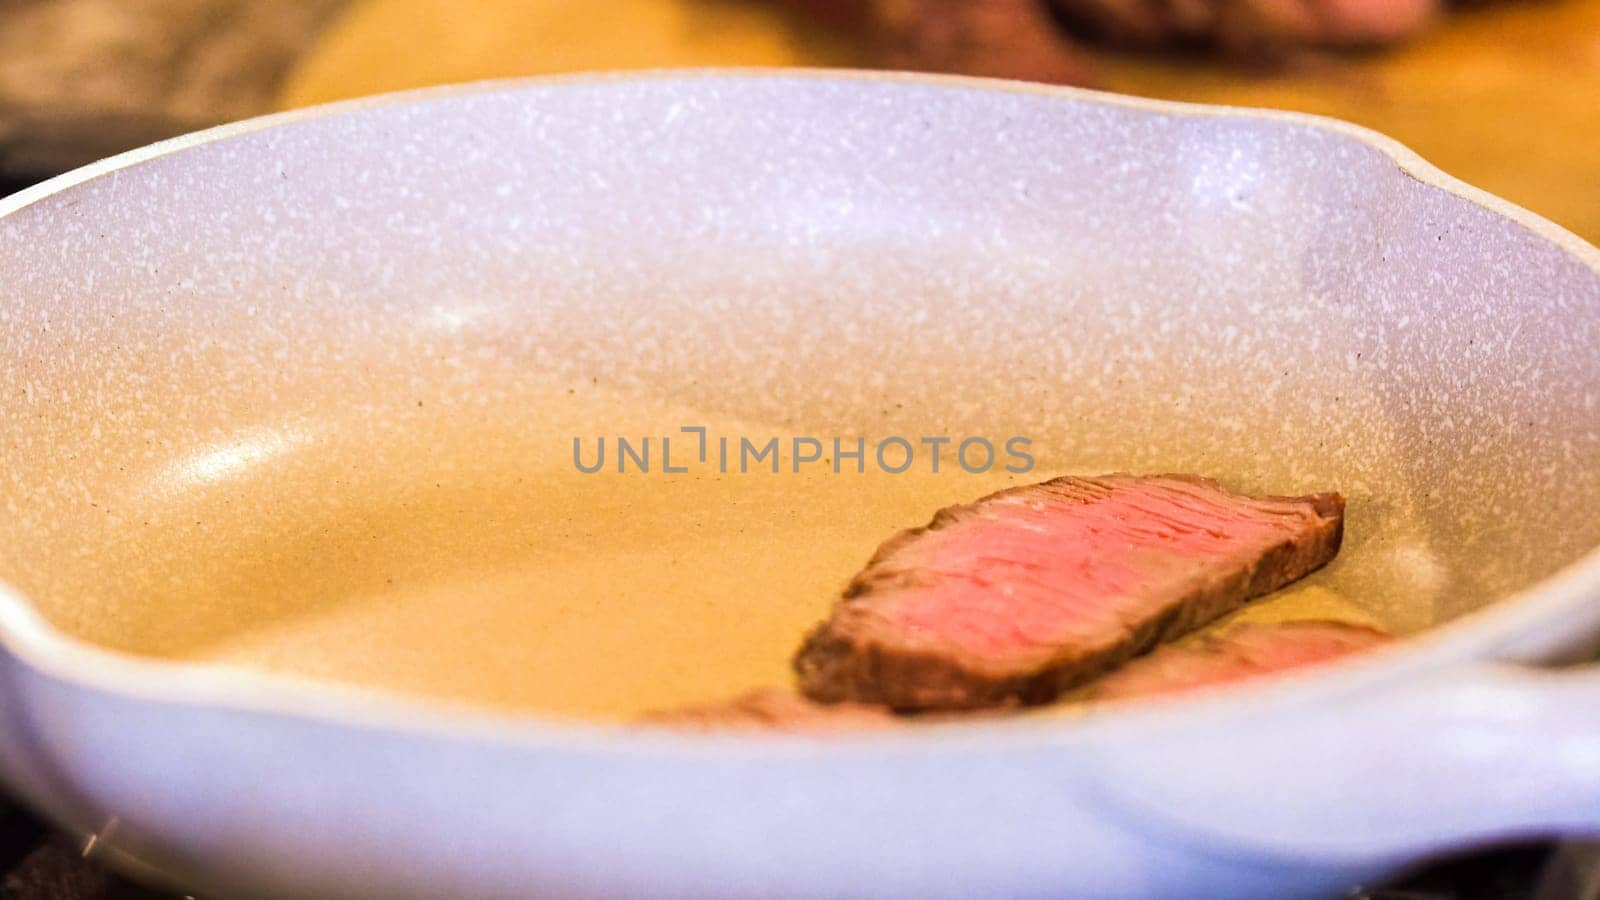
point(1271, 300)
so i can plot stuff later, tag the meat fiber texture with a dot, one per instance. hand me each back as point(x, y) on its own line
point(1029, 592)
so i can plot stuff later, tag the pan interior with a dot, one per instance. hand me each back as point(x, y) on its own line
point(305, 398)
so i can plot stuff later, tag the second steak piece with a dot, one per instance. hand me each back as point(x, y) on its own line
point(1029, 592)
point(774, 710)
point(1245, 652)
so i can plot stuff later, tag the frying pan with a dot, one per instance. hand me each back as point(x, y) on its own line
point(210, 343)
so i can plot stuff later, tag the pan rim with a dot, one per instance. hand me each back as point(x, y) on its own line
point(1496, 631)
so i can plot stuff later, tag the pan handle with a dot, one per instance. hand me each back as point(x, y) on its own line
point(1480, 752)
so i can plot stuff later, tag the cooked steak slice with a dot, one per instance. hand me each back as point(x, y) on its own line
point(1034, 590)
point(772, 709)
point(1240, 653)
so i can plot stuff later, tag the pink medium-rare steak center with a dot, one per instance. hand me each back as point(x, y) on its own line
point(1046, 567)
point(1030, 591)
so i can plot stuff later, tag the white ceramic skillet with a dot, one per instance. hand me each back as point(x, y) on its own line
point(246, 321)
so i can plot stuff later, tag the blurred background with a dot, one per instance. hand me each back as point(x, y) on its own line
point(1502, 93)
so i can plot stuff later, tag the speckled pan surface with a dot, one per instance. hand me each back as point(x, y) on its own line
point(1276, 301)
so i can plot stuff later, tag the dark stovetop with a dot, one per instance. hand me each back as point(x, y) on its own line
point(10, 185)
point(38, 864)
